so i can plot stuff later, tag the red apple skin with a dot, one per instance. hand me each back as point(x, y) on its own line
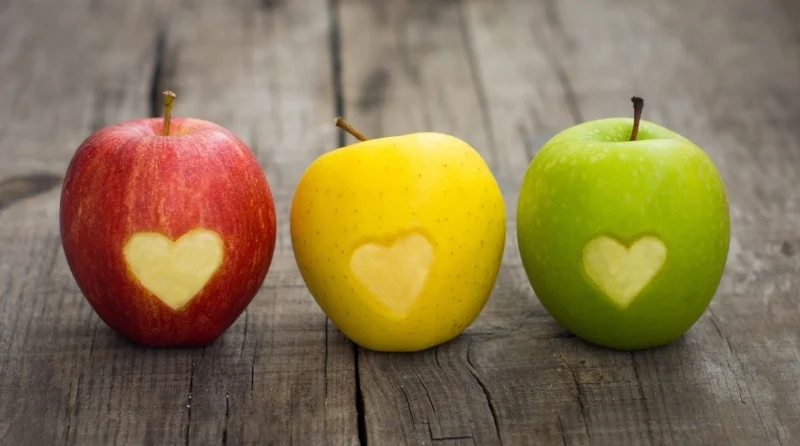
point(127, 178)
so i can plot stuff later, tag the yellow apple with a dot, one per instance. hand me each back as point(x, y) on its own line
point(399, 239)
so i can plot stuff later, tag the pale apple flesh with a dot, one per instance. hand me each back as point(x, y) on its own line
point(168, 237)
point(395, 274)
point(623, 272)
point(174, 271)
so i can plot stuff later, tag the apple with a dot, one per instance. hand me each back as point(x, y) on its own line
point(623, 229)
point(399, 239)
point(168, 228)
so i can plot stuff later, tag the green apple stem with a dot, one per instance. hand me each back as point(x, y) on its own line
point(638, 105)
point(342, 124)
point(169, 99)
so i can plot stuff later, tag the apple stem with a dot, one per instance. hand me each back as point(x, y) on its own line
point(169, 99)
point(638, 105)
point(342, 124)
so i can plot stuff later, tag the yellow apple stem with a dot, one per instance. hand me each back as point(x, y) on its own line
point(342, 124)
point(638, 105)
point(169, 99)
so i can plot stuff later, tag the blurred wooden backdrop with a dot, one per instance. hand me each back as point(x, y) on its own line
point(504, 75)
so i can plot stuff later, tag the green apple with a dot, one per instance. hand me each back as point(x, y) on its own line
point(623, 229)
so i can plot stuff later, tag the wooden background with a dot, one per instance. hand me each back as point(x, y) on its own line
point(504, 75)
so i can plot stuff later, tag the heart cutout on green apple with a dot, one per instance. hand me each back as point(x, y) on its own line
point(395, 274)
point(622, 271)
point(174, 271)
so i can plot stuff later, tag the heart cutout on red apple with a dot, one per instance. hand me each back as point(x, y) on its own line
point(622, 271)
point(395, 274)
point(174, 271)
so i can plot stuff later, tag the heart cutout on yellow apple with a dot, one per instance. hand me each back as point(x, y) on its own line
point(622, 272)
point(394, 274)
point(174, 271)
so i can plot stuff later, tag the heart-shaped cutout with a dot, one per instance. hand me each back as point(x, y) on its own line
point(394, 274)
point(174, 272)
point(622, 272)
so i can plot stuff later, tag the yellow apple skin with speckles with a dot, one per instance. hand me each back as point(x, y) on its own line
point(399, 239)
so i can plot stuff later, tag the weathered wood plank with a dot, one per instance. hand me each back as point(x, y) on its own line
point(507, 75)
point(269, 80)
point(693, 391)
point(50, 80)
point(279, 374)
point(719, 383)
point(504, 76)
point(407, 68)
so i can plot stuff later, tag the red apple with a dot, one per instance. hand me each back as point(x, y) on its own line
point(168, 226)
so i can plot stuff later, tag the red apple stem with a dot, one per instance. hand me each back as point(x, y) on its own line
point(342, 124)
point(638, 105)
point(169, 99)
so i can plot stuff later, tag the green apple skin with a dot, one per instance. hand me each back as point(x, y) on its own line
point(590, 180)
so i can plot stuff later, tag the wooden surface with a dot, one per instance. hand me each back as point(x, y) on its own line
point(503, 75)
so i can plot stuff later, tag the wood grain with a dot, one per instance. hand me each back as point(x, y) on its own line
point(427, 82)
point(718, 384)
point(507, 75)
point(504, 76)
point(19, 188)
point(279, 374)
